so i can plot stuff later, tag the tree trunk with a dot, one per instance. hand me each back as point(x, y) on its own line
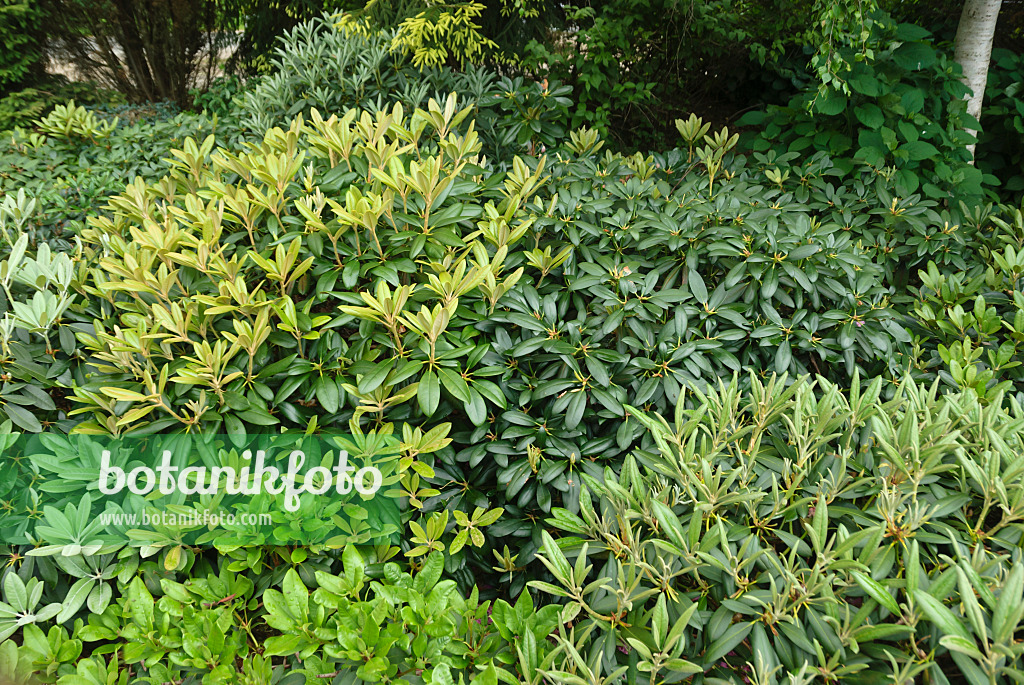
point(974, 37)
point(148, 49)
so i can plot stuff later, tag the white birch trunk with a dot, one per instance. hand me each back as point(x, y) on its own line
point(974, 37)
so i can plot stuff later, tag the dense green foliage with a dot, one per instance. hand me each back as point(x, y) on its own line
point(20, 53)
point(321, 65)
point(971, 324)
point(1000, 150)
point(800, 534)
point(905, 111)
point(75, 159)
point(470, 272)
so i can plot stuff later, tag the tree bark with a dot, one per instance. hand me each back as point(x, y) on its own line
point(973, 43)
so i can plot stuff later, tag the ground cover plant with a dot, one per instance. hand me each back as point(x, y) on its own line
point(744, 408)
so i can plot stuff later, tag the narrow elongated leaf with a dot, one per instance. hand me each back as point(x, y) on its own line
point(942, 617)
point(75, 598)
point(1009, 602)
point(877, 592)
point(735, 634)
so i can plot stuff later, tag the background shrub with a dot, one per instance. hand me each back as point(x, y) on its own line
point(636, 65)
point(904, 110)
point(22, 107)
point(320, 65)
point(219, 99)
point(21, 55)
point(76, 158)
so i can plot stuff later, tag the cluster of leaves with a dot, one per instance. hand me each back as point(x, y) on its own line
point(218, 98)
point(320, 64)
point(752, 267)
point(370, 620)
point(219, 314)
point(35, 349)
point(969, 325)
point(19, 52)
point(323, 65)
point(454, 32)
point(73, 159)
point(56, 475)
point(440, 34)
point(795, 534)
point(240, 284)
point(899, 231)
point(903, 109)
